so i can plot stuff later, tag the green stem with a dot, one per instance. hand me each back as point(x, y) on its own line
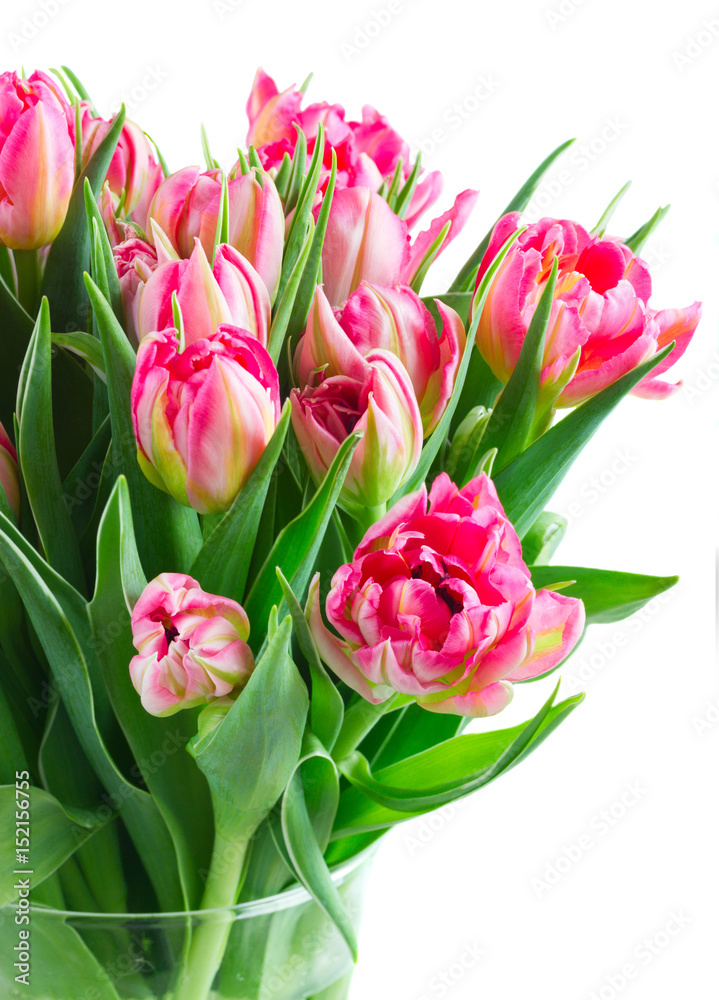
point(360, 718)
point(209, 939)
point(28, 279)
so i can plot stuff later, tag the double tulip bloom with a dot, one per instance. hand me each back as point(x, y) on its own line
point(37, 160)
point(186, 208)
point(438, 605)
point(9, 480)
point(367, 151)
point(203, 416)
point(601, 325)
point(191, 646)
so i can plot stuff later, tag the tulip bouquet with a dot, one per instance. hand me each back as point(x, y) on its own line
point(273, 525)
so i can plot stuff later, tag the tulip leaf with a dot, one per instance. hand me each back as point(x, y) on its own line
point(543, 538)
point(223, 562)
point(459, 301)
point(168, 534)
point(527, 484)
point(177, 787)
point(429, 258)
point(250, 756)
point(608, 596)
point(465, 279)
point(283, 313)
point(637, 240)
point(101, 256)
point(297, 545)
point(439, 434)
point(83, 482)
point(12, 752)
point(607, 214)
point(510, 426)
point(308, 810)
point(57, 832)
point(463, 764)
point(85, 346)
point(36, 450)
point(298, 169)
point(303, 212)
point(53, 608)
point(404, 195)
point(326, 704)
point(17, 327)
point(69, 255)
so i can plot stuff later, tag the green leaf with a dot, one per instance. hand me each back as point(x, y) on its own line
point(459, 301)
point(297, 545)
point(85, 346)
point(55, 610)
point(543, 538)
point(36, 449)
point(513, 417)
point(300, 224)
point(168, 534)
point(56, 833)
point(283, 314)
point(17, 327)
point(465, 279)
point(601, 226)
point(429, 258)
point(249, 758)
point(316, 779)
point(12, 751)
point(526, 484)
point(104, 271)
point(82, 484)
point(223, 562)
point(608, 596)
point(69, 255)
point(177, 787)
point(638, 239)
point(326, 705)
point(439, 435)
point(441, 774)
point(297, 171)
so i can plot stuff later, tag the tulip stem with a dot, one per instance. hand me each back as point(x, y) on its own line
point(367, 516)
point(28, 279)
point(209, 938)
point(359, 720)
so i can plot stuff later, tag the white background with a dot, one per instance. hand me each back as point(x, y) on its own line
point(637, 83)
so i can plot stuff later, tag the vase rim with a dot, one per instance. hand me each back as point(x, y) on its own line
point(285, 900)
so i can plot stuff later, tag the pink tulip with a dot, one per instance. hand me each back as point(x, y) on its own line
point(439, 605)
point(394, 319)
point(133, 172)
point(367, 151)
point(9, 479)
point(230, 291)
point(366, 241)
point(37, 160)
point(192, 646)
point(203, 417)
point(600, 313)
point(187, 204)
point(373, 395)
point(135, 260)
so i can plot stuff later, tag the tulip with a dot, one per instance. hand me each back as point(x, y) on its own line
point(37, 160)
point(438, 605)
point(134, 173)
point(191, 646)
point(9, 479)
point(374, 395)
point(135, 260)
point(230, 291)
point(367, 151)
point(202, 417)
point(394, 319)
point(186, 207)
point(366, 241)
point(600, 326)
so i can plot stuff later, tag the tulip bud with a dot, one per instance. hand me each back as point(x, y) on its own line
point(376, 397)
point(37, 160)
point(186, 207)
point(203, 417)
point(9, 479)
point(394, 319)
point(192, 646)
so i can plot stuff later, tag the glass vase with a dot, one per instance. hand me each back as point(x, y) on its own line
point(282, 947)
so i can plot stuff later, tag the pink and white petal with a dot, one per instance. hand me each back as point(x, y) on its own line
point(557, 622)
